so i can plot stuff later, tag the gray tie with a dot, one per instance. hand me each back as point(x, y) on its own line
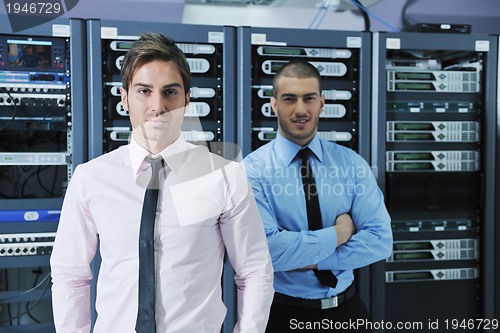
point(146, 312)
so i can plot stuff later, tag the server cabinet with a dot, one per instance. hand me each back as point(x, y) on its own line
point(42, 135)
point(496, 236)
point(434, 136)
point(210, 119)
point(343, 60)
point(209, 51)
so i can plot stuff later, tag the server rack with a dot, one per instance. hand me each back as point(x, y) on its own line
point(209, 121)
point(434, 135)
point(343, 59)
point(209, 51)
point(496, 262)
point(43, 130)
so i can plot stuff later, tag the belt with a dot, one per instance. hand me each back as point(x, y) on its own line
point(323, 303)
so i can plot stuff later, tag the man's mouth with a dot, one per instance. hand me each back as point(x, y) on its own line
point(301, 121)
point(156, 120)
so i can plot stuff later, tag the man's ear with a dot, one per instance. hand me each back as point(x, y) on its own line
point(123, 93)
point(188, 96)
point(274, 105)
point(323, 102)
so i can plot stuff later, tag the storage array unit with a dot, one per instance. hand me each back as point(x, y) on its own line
point(42, 130)
point(209, 52)
point(343, 60)
point(434, 136)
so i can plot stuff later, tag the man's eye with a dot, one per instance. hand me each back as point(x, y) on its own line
point(170, 92)
point(143, 91)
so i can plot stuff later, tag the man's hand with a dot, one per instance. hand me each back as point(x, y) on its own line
point(345, 228)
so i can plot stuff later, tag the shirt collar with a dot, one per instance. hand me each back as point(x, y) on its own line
point(286, 150)
point(173, 154)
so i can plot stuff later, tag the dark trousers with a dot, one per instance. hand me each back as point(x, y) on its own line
point(351, 316)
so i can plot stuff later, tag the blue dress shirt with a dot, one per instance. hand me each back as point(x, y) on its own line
point(345, 184)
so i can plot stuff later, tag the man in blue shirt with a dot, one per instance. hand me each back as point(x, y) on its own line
point(344, 184)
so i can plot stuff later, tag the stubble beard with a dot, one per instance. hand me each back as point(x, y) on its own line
point(296, 135)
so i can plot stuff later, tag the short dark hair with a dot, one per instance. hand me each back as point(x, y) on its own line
point(150, 47)
point(297, 68)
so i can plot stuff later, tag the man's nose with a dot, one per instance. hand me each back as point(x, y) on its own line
point(300, 107)
point(158, 104)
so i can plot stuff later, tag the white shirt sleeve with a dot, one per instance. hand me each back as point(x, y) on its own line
point(73, 250)
point(245, 240)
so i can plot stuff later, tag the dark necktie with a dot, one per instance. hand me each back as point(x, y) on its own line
point(146, 312)
point(314, 221)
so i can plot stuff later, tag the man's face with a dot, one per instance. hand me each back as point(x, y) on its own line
point(297, 106)
point(156, 103)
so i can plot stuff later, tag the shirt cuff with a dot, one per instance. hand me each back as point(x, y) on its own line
point(327, 245)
